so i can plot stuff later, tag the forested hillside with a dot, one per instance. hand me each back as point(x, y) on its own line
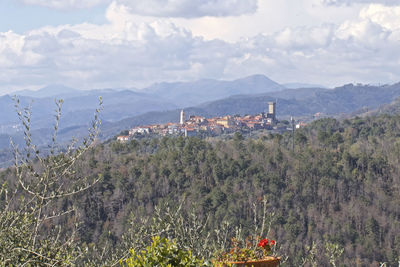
point(341, 185)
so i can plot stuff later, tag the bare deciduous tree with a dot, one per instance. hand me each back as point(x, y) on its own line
point(31, 215)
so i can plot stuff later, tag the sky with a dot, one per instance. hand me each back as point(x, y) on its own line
point(88, 44)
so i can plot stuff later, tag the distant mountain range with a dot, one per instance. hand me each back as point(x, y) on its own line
point(392, 108)
point(79, 106)
point(119, 104)
point(301, 85)
point(55, 90)
point(194, 93)
point(290, 102)
point(160, 103)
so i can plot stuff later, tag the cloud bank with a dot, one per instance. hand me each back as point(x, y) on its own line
point(190, 8)
point(352, 2)
point(127, 52)
point(161, 8)
point(65, 4)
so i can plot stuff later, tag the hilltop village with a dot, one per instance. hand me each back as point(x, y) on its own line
point(196, 125)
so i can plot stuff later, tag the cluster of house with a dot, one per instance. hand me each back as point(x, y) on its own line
point(215, 126)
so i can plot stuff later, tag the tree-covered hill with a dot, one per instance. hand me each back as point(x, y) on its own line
point(340, 185)
point(390, 109)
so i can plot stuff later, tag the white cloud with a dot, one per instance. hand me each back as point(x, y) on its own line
point(65, 4)
point(162, 8)
point(364, 32)
point(271, 16)
point(387, 17)
point(12, 52)
point(190, 8)
point(305, 38)
point(352, 2)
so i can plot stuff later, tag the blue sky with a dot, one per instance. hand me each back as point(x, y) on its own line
point(88, 44)
point(20, 17)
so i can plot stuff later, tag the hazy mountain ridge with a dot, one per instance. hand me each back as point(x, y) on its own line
point(290, 102)
point(302, 85)
point(123, 103)
point(119, 104)
point(390, 109)
point(194, 93)
point(302, 102)
point(55, 90)
point(78, 109)
point(124, 109)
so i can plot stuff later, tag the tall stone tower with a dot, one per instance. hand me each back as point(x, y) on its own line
point(182, 119)
point(271, 111)
point(271, 107)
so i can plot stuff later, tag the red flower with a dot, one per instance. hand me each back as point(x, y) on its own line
point(263, 243)
point(272, 242)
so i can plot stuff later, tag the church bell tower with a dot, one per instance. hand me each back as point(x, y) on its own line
point(182, 118)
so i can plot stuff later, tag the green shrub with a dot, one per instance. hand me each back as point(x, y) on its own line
point(162, 252)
